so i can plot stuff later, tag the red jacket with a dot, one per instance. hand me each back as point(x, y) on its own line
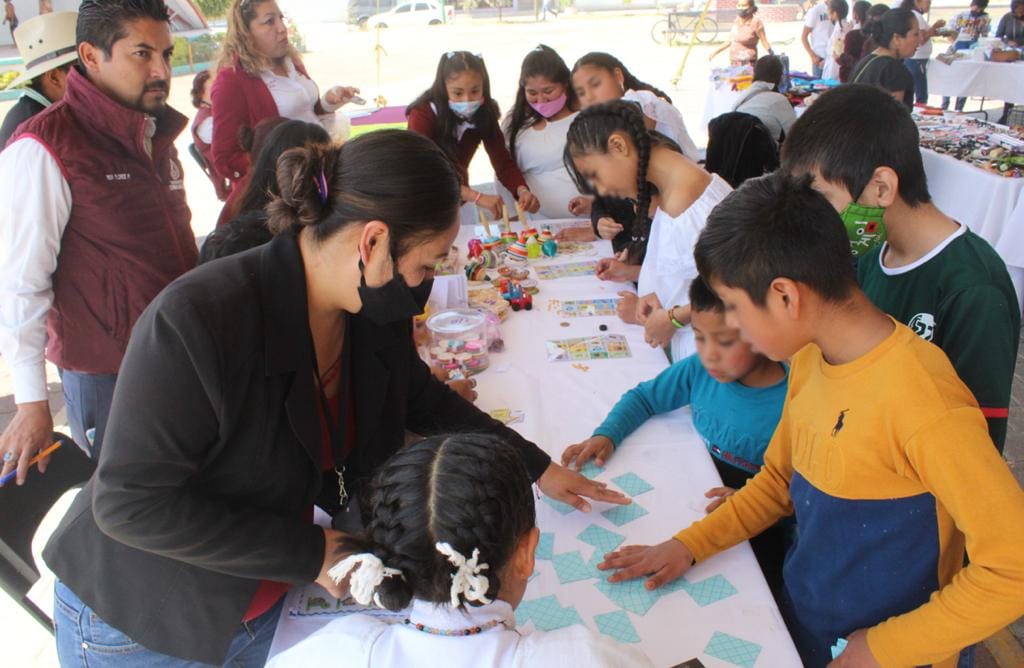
point(421, 120)
point(239, 100)
point(128, 235)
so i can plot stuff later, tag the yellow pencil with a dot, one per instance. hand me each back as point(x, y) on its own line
point(35, 460)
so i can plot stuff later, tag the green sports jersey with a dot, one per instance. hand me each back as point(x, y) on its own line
point(959, 297)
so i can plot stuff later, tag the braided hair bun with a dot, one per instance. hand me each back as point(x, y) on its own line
point(471, 491)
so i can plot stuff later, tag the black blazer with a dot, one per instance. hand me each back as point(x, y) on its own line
point(211, 457)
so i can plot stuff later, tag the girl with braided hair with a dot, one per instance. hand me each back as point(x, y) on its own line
point(458, 113)
point(451, 541)
point(610, 149)
point(601, 77)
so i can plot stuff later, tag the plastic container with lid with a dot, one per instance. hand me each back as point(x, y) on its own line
point(458, 340)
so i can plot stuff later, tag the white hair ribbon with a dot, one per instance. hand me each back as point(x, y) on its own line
point(467, 580)
point(370, 572)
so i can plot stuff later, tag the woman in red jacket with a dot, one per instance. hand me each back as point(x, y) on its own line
point(458, 113)
point(261, 75)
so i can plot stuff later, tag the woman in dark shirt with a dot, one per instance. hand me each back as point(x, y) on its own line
point(253, 388)
point(897, 35)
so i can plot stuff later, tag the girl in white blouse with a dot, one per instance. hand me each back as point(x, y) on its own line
point(601, 77)
point(451, 542)
point(535, 130)
point(613, 152)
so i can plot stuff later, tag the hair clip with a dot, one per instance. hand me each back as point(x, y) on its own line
point(369, 574)
point(321, 187)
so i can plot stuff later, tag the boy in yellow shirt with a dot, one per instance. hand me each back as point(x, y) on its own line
point(881, 451)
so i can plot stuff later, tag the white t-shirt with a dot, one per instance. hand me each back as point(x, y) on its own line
point(924, 52)
point(821, 28)
point(667, 120)
point(362, 641)
point(836, 40)
point(539, 156)
point(669, 267)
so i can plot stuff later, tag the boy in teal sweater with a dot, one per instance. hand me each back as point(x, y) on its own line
point(736, 396)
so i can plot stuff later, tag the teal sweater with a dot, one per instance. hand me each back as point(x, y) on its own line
point(735, 421)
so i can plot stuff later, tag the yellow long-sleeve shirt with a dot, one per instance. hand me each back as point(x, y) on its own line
point(888, 465)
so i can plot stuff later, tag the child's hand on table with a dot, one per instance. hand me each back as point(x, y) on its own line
point(614, 269)
point(857, 653)
point(568, 486)
point(627, 307)
point(607, 228)
point(658, 329)
point(528, 201)
point(719, 494)
point(663, 562)
point(491, 204)
point(464, 387)
point(600, 448)
point(581, 205)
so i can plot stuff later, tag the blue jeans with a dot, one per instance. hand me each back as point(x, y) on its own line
point(960, 101)
point(85, 640)
point(87, 397)
point(918, 68)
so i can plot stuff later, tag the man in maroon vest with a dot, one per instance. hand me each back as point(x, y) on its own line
point(93, 223)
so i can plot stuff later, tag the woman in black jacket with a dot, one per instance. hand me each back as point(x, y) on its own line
point(253, 388)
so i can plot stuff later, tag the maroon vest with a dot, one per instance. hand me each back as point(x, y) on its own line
point(128, 235)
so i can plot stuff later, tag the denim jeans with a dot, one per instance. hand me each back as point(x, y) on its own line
point(960, 101)
point(88, 397)
point(84, 640)
point(918, 68)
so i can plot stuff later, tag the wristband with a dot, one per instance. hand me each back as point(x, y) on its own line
point(477, 198)
point(672, 317)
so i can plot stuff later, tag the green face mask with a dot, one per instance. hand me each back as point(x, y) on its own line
point(864, 227)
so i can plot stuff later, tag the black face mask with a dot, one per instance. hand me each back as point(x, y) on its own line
point(421, 293)
point(392, 302)
point(746, 13)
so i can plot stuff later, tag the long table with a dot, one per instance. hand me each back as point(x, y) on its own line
point(723, 613)
point(977, 78)
point(992, 206)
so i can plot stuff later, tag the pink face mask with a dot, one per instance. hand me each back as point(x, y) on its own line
point(551, 107)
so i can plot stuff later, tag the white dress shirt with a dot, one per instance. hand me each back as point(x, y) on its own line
point(669, 267)
point(296, 96)
point(31, 227)
point(363, 641)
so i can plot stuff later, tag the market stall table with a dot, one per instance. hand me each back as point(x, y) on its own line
point(977, 78)
point(723, 612)
point(990, 204)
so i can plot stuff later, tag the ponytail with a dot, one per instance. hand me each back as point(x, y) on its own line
point(893, 22)
point(395, 176)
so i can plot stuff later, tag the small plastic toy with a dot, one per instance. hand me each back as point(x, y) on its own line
point(532, 248)
point(489, 258)
point(517, 253)
point(476, 271)
point(512, 291)
point(549, 248)
point(476, 247)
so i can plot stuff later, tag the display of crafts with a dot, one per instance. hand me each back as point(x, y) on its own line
point(991, 147)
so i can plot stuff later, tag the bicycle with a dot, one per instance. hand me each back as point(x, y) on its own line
point(675, 29)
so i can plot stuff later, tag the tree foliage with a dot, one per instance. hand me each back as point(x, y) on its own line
point(213, 8)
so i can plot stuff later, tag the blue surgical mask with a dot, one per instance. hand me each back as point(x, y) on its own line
point(465, 109)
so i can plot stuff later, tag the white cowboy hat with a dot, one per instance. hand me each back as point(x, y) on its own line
point(46, 42)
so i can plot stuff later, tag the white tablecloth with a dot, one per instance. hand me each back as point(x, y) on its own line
point(720, 99)
point(977, 78)
point(991, 206)
point(562, 404)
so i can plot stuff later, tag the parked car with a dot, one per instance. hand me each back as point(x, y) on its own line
point(361, 10)
point(419, 13)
